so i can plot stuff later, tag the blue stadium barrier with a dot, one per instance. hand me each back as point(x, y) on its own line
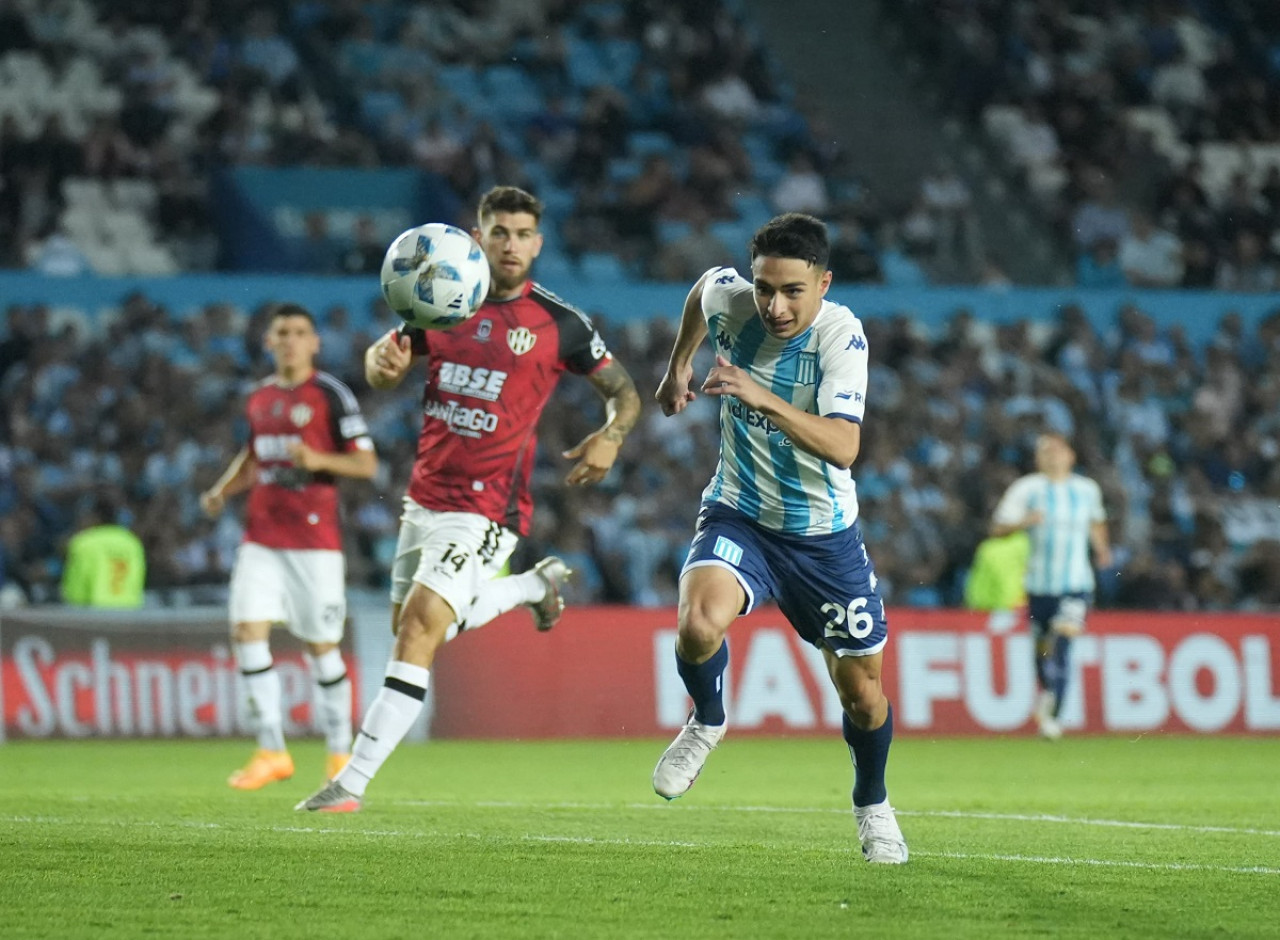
point(1196, 312)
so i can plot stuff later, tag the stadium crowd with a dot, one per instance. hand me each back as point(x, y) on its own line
point(655, 133)
point(1178, 436)
point(1150, 131)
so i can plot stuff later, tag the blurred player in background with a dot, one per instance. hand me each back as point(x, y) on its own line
point(305, 431)
point(780, 517)
point(1062, 512)
point(468, 500)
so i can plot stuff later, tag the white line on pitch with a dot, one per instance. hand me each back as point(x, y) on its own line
point(811, 810)
point(659, 843)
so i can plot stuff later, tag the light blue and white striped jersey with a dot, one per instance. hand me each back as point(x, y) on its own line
point(1059, 561)
point(822, 371)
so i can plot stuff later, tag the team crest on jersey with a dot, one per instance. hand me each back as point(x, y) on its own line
point(807, 369)
point(483, 330)
point(300, 415)
point(521, 340)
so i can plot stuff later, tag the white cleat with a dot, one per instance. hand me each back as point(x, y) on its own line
point(553, 572)
point(681, 763)
point(878, 831)
point(1048, 726)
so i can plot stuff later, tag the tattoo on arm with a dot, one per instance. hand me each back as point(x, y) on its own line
point(622, 401)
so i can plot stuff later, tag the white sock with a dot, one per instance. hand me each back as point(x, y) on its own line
point(388, 720)
point(333, 699)
point(503, 594)
point(262, 690)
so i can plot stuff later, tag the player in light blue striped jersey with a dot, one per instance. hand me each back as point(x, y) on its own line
point(1063, 514)
point(780, 517)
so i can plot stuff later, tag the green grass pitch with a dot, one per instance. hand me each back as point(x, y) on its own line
point(1151, 836)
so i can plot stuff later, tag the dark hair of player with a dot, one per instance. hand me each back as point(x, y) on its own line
point(509, 199)
point(279, 311)
point(792, 235)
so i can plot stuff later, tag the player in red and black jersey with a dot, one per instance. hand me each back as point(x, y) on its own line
point(305, 431)
point(468, 500)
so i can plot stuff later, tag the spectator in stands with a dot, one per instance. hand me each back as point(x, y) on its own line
point(1099, 265)
point(55, 253)
point(854, 255)
point(801, 188)
point(693, 253)
point(1100, 215)
point(1179, 86)
point(1199, 265)
point(1033, 142)
point(367, 249)
point(1149, 256)
point(1246, 268)
point(265, 51)
point(317, 252)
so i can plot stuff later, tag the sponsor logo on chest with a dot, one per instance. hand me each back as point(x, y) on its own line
point(472, 381)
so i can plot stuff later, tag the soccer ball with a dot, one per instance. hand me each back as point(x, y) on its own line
point(435, 276)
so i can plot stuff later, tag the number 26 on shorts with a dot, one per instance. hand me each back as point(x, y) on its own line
point(860, 623)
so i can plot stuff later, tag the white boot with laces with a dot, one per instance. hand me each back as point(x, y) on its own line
point(878, 831)
point(681, 763)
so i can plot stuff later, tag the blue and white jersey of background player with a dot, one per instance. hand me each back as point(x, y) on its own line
point(1059, 559)
point(822, 371)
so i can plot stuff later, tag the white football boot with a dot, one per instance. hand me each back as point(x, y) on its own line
point(553, 572)
point(1048, 726)
point(882, 841)
point(681, 763)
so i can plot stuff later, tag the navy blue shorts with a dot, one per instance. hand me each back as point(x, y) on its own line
point(1057, 613)
point(824, 584)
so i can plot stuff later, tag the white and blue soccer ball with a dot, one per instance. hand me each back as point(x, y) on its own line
point(435, 276)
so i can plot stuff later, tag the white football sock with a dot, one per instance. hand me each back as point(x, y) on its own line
point(503, 594)
point(388, 720)
point(333, 699)
point(262, 690)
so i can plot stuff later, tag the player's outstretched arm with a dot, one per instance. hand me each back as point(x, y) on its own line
point(597, 452)
point(387, 361)
point(674, 393)
point(358, 464)
point(237, 478)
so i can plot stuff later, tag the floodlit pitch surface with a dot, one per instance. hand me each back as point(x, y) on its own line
point(1088, 837)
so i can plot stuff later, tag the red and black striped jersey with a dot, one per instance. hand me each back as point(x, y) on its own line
point(488, 380)
point(290, 507)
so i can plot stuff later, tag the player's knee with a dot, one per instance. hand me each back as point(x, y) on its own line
point(700, 633)
point(250, 632)
point(863, 700)
point(422, 625)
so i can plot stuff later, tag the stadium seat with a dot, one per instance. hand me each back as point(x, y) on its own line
point(624, 169)
point(672, 230)
point(598, 267)
point(554, 270)
point(138, 195)
point(900, 270)
point(586, 70)
point(752, 209)
point(643, 143)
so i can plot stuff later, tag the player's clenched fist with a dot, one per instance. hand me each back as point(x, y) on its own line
point(388, 361)
point(211, 503)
